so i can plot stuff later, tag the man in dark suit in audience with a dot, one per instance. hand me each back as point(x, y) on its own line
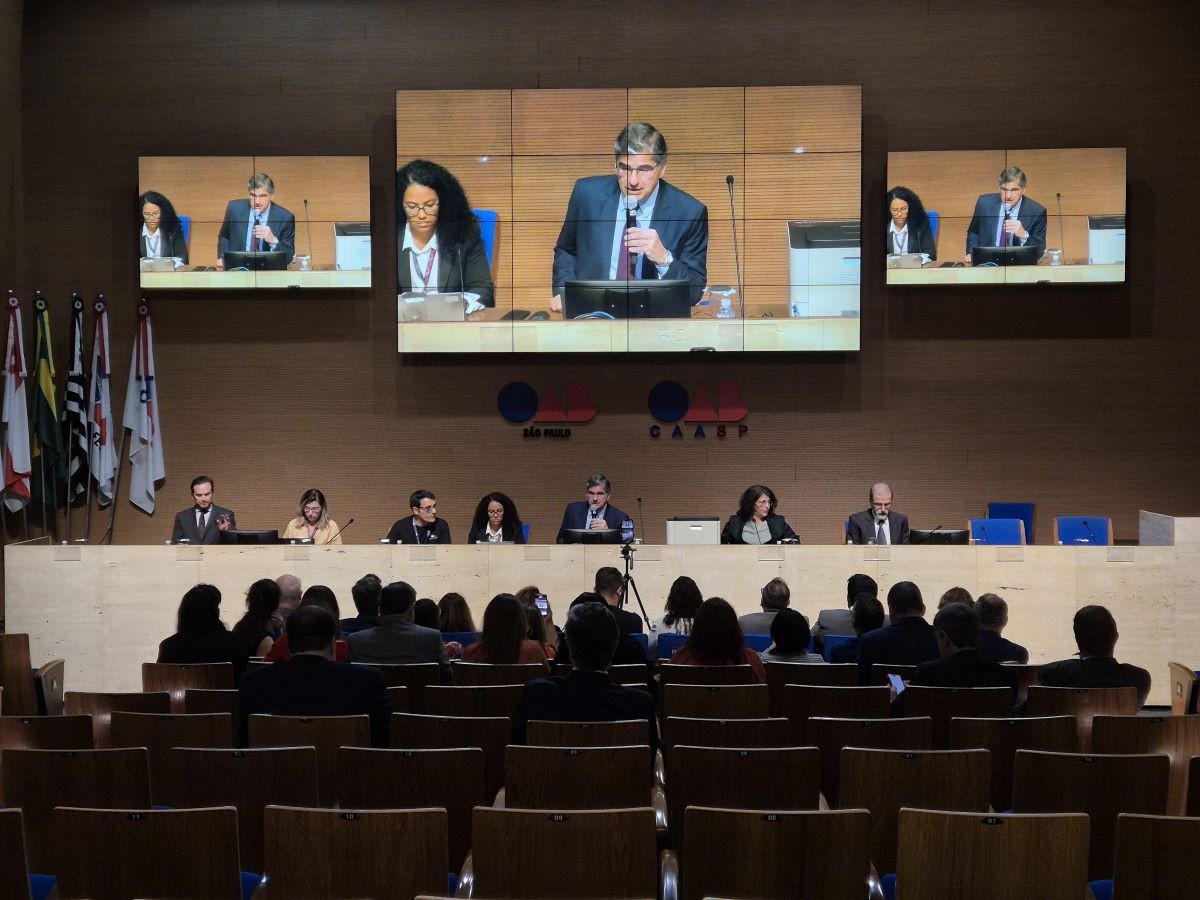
point(956, 627)
point(365, 593)
point(1096, 636)
point(838, 621)
point(587, 694)
point(907, 641)
point(311, 683)
point(866, 616)
point(610, 585)
point(398, 639)
point(993, 617)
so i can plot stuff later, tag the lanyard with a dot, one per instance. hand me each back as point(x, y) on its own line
point(428, 269)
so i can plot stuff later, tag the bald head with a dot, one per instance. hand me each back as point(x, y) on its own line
point(880, 489)
point(289, 591)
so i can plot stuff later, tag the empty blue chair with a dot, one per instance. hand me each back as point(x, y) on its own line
point(669, 643)
point(466, 638)
point(834, 640)
point(185, 225)
point(525, 529)
point(934, 218)
point(488, 220)
point(643, 639)
point(1083, 530)
point(1022, 511)
point(1009, 532)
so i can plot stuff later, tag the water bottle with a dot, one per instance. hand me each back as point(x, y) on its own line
point(726, 310)
point(795, 311)
point(626, 530)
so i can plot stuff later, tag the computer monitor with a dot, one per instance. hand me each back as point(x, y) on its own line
point(938, 536)
point(664, 299)
point(263, 261)
point(267, 536)
point(1006, 256)
point(592, 536)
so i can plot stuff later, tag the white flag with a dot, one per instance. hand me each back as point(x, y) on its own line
point(17, 465)
point(141, 417)
point(102, 458)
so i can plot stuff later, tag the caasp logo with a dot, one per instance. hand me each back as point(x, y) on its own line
point(669, 403)
point(519, 403)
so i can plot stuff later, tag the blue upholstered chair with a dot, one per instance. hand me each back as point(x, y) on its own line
point(1083, 530)
point(1009, 532)
point(1022, 511)
point(488, 221)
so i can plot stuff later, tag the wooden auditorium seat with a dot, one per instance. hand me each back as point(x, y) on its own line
point(545, 733)
point(413, 731)
point(823, 674)
point(325, 733)
point(577, 777)
point(484, 674)
point(1155, 857)
point(1176, 736)
point(17, 676)
point(754, 733)
point(158, 734)
point(176, 678)
point(101, 706)
point(881, 671)
point(472, 700)
point(43, 733)
point(942, 704)
point(830, 735)
point(1084, 704)
point(1185, 689)
point(208, 700)
point(670, 673)
point(414, 676)
point(715, 701)
point(1004, 737)
point(802, 701)
point(14, 863)
point(1193, 794)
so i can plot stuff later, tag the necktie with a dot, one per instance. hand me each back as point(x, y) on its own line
point(254, 242)
point(880, 534)
point(624, 261)
point(1003, 240)
point(201, 523)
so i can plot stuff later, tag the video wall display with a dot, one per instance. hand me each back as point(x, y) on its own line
point(241, 222)
point(1005, 216)
point(604, 219)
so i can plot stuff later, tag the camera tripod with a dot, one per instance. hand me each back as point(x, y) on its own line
point(627, 582)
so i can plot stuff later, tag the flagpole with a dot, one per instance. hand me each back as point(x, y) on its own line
point(112, 513)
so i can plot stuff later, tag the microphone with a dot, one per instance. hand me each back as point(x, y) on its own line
point(1091, 534)
point(986, 540)
point(343, 528)
point(928, 535)
point(1007, 238)
point(641, 518)
point(254, 242)
point(308, 228)
point(737, 257)
point(1062, 241)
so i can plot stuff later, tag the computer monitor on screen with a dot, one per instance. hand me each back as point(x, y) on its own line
point(668, 298)
point(591, 536)
point(1006, 256)
point(265, 261)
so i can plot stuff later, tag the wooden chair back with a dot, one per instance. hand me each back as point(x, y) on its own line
point(101, 706)
point(413, 731)
point(1155, 857)
point(1004, 737)
point(1176, 736)
point(509, 853)
point(881, 671)
point(1008, 857)
point(885, 780)
point(48, 685)
point(1185, 689)
point(398, 698)
point(1084, 704)
point(715, 701)
point(796, 854)
point(632, 674)
point(670, 673)
point(544, 733)
point(576, 777)
point(1193, 795)
point(14, 865)
point(942, 704)
point(472, 700)
point(484, 674)
point(248, 780)
point(802, 702)
point(408, 779)
point(176, 678)
point(751, 733)
point(39, 780)
point(830, 735)
point(43, 733)
point(158, 734)
point(1101, 786)
point(780, 674)
point(16, 676)
point(726, 778)
point(119, 853)
point(325, 733)
point(414, 676)
point(206, 700)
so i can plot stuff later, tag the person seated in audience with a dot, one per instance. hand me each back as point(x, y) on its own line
point(528, 596)
point(956, 595)
point(454, 615)
point(683, 600)
point(319, 595)
point(790, 635)
point(756, 521)
point(398, 639)
point(1096, 636)
point(537, 630)
point(312, 520)
point(365, 594)
point(504, 640)
point(290, 589)
point(993, 618)
point(587, 694)
point(311, 683)
point(907, 641)
point(262, 621)
point(865, 616)
point(629, 650)
point(716, 640)
point(200, 635)
point(610, 584)
point(425, 614)
point(496, 521)
point(837, 621)
point(774, 596)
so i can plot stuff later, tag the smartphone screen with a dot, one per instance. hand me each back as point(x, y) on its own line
point(897, 683)
point(543, 604)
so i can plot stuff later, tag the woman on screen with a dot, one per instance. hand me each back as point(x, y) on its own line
point(756, 521)
point(496, 520)
point(441, 248)
point(162, 232)
point(312, 520)
point(908, 231)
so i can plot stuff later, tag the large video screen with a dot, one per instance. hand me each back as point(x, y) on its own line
point(242, 222)
point(602, 219)
point(1005, 216)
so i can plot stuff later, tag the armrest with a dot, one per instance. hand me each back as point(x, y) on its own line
point(658, 800)
point(668, 875)
point(466, 878)
point(498, 800)
point(874, 885)
point(660, 769)
point(48, 682)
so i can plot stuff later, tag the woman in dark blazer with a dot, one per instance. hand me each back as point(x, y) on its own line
point(905, 209)
point(432, 208)
point(496, 519)
point(756, 521)
point(162, 232)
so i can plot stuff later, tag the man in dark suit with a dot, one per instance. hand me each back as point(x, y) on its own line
point(879, 524)
point(423, 526)
point(257, 224)
point(311, 683)
point(1008, 218)
point(587, 694)
point(1096, 636)
point(993, 617)
point(957, 629)
point(365, 593)
point(840, 621)
point(610, 585)
point(866, 616)
point(203, 522)
point(398, 639)
point(593, 513)
point(669, 240)
point(908, 641)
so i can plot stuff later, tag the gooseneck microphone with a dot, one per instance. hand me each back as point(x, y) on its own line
point(928, 535)
point(1091, 534)
point(349, 522)
point(311, 261)
point(641, 519)
point(1062, 241)
point(737, 257)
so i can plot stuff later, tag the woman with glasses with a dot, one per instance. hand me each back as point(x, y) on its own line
point(162, 232)
point(441, 249)
point(496, 521)
point(313, 520)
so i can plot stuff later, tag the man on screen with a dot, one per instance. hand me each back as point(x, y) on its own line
point(1008, 218)
point(257, 225)
point(668, 240)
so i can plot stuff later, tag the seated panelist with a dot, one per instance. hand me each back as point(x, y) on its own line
point(162, 232)
point(312, 521)
point(756, 521)
point(909, 230)
point(423, 526)
point(879, 524)
point(496, 521)
point(1007, 218)
point(594, 513)
point(257, 224)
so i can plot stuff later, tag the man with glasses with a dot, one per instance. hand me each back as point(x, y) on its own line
point(594, 513)
point(879, 524)
point(256, 225)
point(669, 239)
point(423, 526)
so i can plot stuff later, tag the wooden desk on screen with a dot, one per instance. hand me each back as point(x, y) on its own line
point(315, 278)
point(104, 609)
point(1073, 273)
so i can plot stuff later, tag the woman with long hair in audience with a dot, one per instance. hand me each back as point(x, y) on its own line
point(683, 600)
point(504, 639)
point(496, 520)
point(454, 614)
point(312, 520)
point(539, 632)
point(324, 597)
point(200, 635)
point(528, 596)
point(259, 627)
point(716, 640)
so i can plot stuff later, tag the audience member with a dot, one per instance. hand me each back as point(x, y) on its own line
point(200, 635)
point(316, 595)
point(454, 614)
point(790, 635)
point(398, 639)
point(528, 596)
point(537, 630)
point(837, 621)
point(610, 585)
point(908, 640)
point(365, 594)
point(683, 600)
point(311, 683)
point(993, 618)
point(629, 649)
point(258, 627)
point(774, 596)
point(1096, 636)
point(956, 626)
point(289, 595)
point(503, 638)
point(716, 640)
point(865, 616)
point(425, 614)
point(956, 595)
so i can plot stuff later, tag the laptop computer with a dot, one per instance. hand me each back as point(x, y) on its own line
point(448, 307)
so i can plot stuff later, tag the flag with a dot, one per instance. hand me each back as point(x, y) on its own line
point(74, 415)
point(141, 417)
point(48, 469)
point(16, 413)
point(102, 458)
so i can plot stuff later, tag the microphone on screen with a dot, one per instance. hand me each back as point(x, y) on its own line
point(1062, 241)
point(343, 528)
point(254, 239)
point(737, 257)
point(308, 228)
point(1007, 238)
point(641, 519)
